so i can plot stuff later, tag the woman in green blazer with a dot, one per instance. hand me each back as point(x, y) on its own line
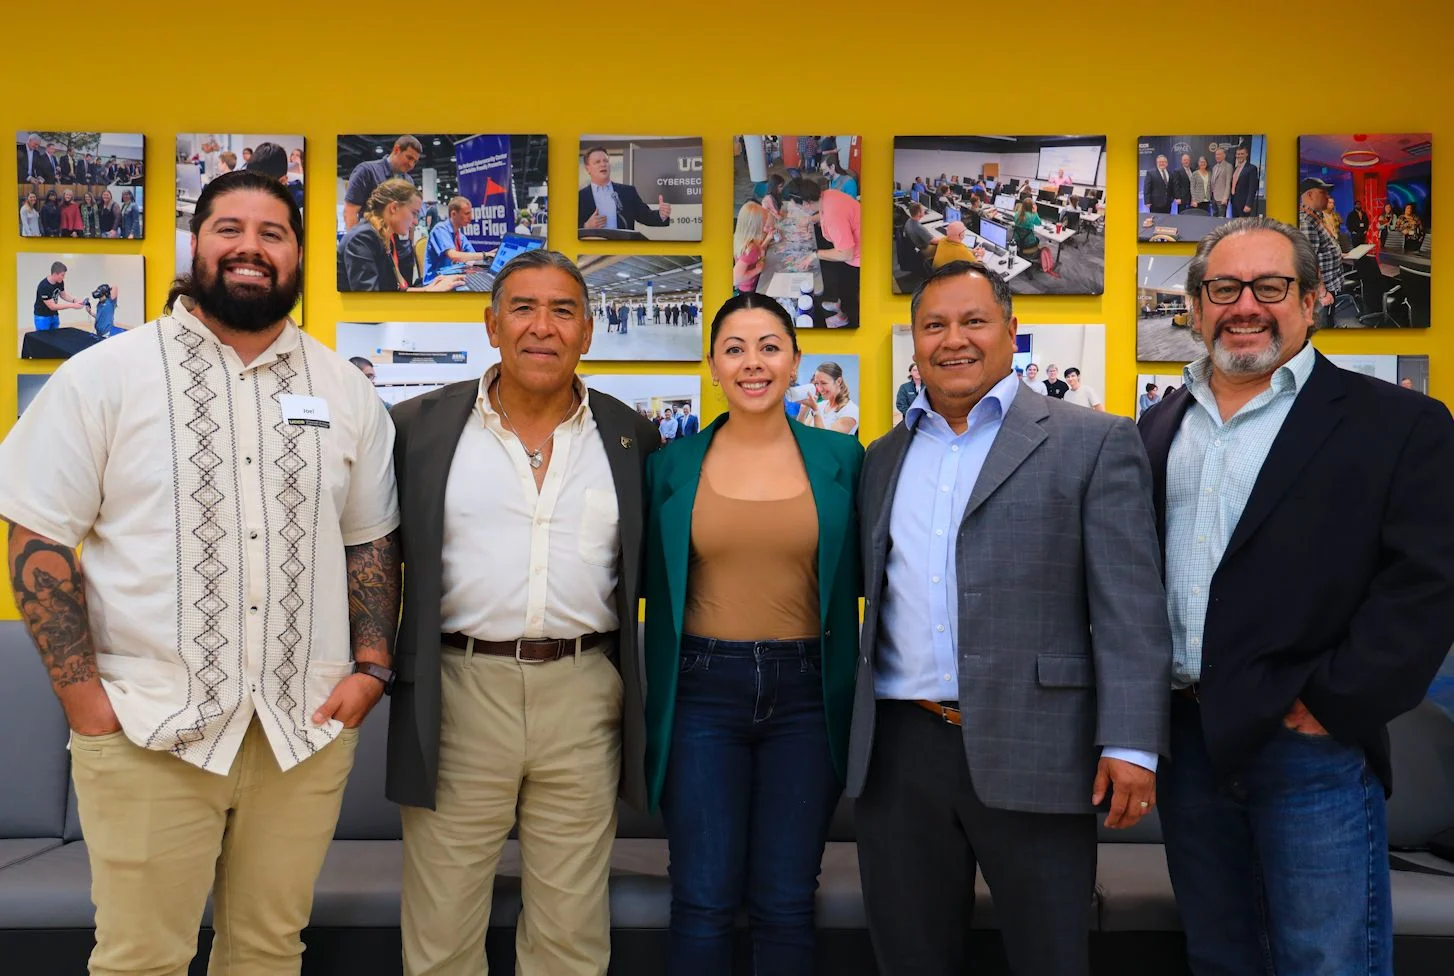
point(752, 585)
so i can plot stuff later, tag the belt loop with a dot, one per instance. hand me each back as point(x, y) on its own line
point(469, 650)
point(578, 650)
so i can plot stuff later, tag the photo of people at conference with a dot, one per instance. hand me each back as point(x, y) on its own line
point(1164, 331)
point(69, 302)
point(639, 188)
point(1190, 185)
point(27, 385)
point(1409, 372)
point(437, 212)
point(647, 307)
point(672, 403)
point(796, 227)
point(1032, 208)
point(1366, 203)
point(80, 184)
point(826, 393)
point(1152, 388)
point(408, 359)
point(204, 156)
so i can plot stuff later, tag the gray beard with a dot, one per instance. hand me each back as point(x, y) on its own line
point(1247, 363)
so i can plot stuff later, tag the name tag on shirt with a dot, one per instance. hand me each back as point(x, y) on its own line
point(304, 411)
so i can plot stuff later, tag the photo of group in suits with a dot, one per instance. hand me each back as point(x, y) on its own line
point(1191, 185)
point(796, 227)
point(67, 303)
point(80, 184)
point(408, 359)
point(644, 307)
point(673, 403)
point(201, 157)
point(1378, 208)
point(639, 188)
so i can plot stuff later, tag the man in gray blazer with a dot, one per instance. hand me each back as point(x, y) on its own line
point(1015, 649)
point(520, 687)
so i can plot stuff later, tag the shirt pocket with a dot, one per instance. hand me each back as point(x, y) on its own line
point(599, 535)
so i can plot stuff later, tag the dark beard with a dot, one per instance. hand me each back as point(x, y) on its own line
point(244, 309)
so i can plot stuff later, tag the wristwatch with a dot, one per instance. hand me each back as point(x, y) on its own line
point(386, 675)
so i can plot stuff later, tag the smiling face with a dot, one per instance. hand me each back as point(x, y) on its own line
point(754, 361)
point(403, 160)
point(1031, 372)
point(1249, 338)
point(247, 263)
point(962, 342)
point(542, 328)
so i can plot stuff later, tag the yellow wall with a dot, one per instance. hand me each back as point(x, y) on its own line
point(691, 67)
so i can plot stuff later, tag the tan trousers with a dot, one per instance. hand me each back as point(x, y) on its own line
point(161, 833)
point(537, 741)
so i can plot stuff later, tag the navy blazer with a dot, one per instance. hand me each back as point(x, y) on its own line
point(633, 210)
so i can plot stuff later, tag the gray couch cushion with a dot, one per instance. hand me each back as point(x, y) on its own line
point(1423, 904)
point(22, 849)
point(1134, 889)
point(49, 891)
point(366, 813)
point(34, 765)
point(1422, 804)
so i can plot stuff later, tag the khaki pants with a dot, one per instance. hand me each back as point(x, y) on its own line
point(161, 833)
point(537, 741)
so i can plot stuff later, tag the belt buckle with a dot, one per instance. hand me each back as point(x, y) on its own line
point(519, 641)
point(944, 711)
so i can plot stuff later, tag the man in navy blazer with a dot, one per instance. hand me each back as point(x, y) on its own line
point(1308, 532)
point(33, 166)
point(1245, 180)
point(607, 205)
point(1156, 191)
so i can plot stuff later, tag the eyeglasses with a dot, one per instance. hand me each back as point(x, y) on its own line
point(1269, 289)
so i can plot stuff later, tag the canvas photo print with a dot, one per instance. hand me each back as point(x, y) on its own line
point(1191, 185)
point(201, 157)
point(644, 307)
point(69, 302)
point(81, 184)
point(639, 188)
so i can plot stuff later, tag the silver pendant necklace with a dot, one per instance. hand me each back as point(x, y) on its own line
point(537, 456)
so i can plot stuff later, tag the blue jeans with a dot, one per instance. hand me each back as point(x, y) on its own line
point(750, 789)
point(44, 323)
point(1283, 869)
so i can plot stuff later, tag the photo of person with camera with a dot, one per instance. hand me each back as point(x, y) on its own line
point(78, 301)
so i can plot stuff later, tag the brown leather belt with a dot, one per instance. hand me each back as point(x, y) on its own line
point(1190, 692)
point(532, 650)
point(948, 713)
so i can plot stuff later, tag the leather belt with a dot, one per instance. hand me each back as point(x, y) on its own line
point(1190, 692)
point(948, 713)
point(529, 650)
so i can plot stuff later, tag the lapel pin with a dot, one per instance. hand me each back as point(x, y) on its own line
point(626, 443)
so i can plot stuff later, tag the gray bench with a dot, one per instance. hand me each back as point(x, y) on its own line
point(46, 916)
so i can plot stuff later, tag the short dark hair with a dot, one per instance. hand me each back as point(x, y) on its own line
point(954, 269)
point(750, 300)
point(57, 267)
point(360, 361)
point(408, 142)
point(1150, 387)
point(235, 182)
point(591, 150)
point(1072, 371)
point(269, 159)
point(539, 258)
point(803, 190)
point(915, 208)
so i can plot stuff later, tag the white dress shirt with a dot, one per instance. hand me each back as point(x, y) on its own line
point(212, 529)
point(525, 563)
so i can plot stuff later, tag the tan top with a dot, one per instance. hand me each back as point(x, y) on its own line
point(753, 571)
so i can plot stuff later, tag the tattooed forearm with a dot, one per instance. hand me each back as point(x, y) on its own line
point(374, 582)
point(51, 594)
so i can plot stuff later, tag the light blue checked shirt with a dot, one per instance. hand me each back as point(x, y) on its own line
point(918, 652)
point(1209, 477)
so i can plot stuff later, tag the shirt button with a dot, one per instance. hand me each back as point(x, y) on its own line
point(947, 678)
point(539, 570)
point(1206, 491)
point(252, 535)
point(1196, 589)
point(938, 531)
point(1217, 442)
point(935, 579)
point(940, 628)
point(1195, 642)
point(252, 609)
point(1202, 539)
point(247, 460)
point(943, 487)
point(954, 448)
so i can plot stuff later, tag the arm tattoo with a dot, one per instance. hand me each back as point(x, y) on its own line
point(51, 594)
point(374, 583)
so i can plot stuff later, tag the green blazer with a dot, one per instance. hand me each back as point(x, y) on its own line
point(832, 461)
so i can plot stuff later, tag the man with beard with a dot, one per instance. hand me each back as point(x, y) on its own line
point(1310, 587)
point(230, 620)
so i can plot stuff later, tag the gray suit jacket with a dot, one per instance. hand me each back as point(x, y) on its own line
point(428, 431)
point(1064, 645)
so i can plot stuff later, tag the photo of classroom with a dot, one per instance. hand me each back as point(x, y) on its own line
point(797, 224)
point(437, 212)
point(69, 302)
point(1031, 208)
point(409, 359)
point(1164, 331)
point(1409, 372)
point(673, 403)
point(27, 385)
point(639, 188)
point(825, 393)
point(1379, 209)
point(646, 307)
point(80, 184)
point(204, 156)
point(1191, 185)
point(1152, 388)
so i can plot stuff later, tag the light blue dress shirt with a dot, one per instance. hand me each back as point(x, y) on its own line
point(918, 650)
point(1209, 477)
point(441, 239)
point(605, 198)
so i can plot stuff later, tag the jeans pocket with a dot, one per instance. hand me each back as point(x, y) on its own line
point(689, 661)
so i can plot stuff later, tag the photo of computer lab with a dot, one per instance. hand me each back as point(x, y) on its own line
point(204, 156)
point(1032, 208)
point(646, 307)
point(1163, 313)
point(1376, 202)
point(1191, 185)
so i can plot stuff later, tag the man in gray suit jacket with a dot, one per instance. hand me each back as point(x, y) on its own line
point(1015, 648)
point(520, 688)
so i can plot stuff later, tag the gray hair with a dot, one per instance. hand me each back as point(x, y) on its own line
point(954, 269)
point(1304, 258)
point(539, 258)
